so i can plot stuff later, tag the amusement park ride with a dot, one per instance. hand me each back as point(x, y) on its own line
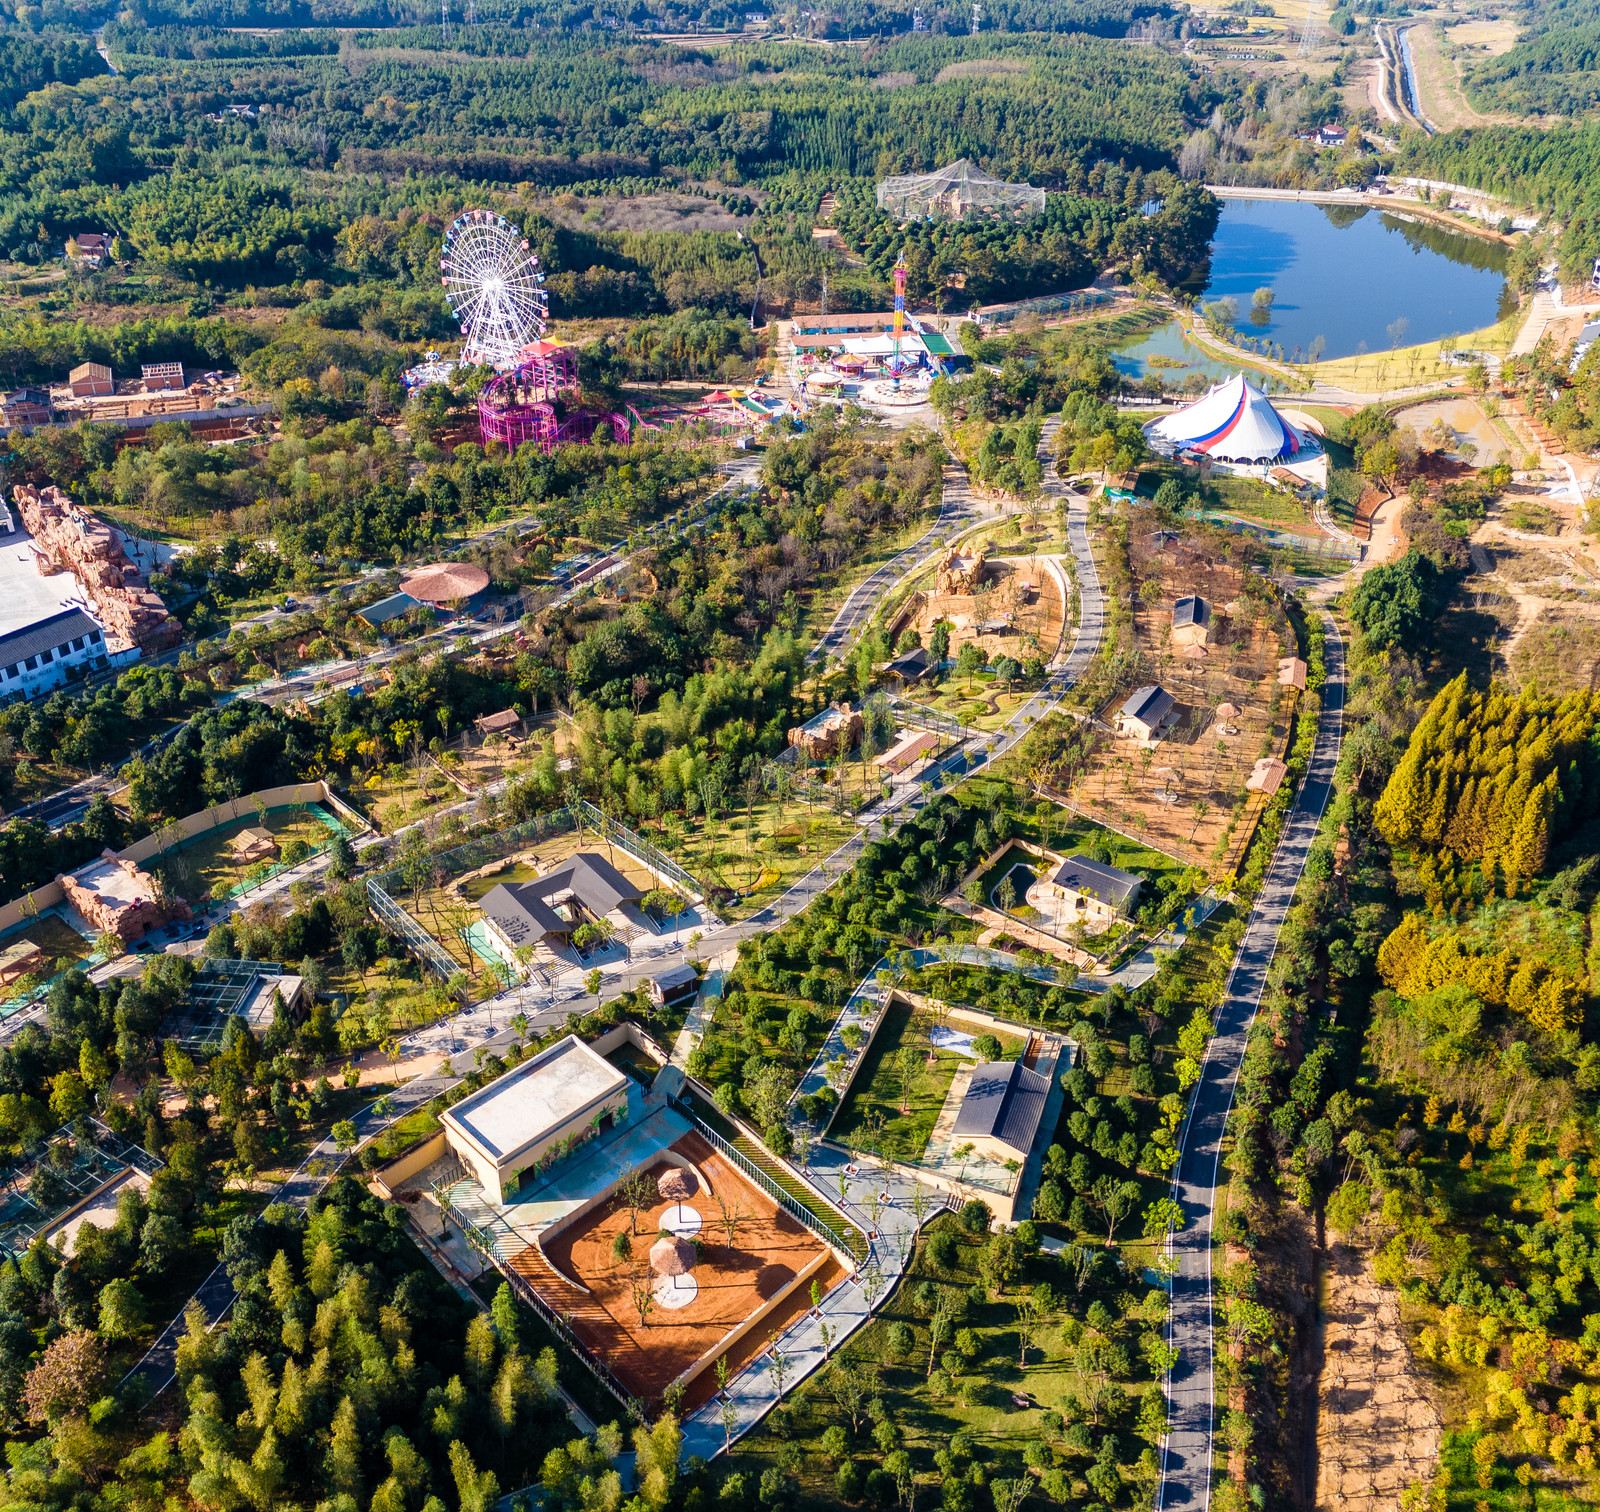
point(495, 286)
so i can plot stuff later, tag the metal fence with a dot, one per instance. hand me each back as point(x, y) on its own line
point(427, 949)
point(472, 854)
point(786, 1200)
point(483, 1241)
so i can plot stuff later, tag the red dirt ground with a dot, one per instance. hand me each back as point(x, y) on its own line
point(770, 1248)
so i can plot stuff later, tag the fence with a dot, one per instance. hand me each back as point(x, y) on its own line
point(472, 854)
point(390, 914)
point(792, 1206)
point(484, 1243)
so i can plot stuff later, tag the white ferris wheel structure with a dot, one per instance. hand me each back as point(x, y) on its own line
point(495, 287)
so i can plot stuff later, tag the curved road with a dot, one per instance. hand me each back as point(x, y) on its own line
point(1187, 1454)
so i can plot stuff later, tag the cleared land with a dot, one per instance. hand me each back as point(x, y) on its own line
point(1186, 796)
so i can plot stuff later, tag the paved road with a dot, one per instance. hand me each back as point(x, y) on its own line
point(958, 511)
point(1187, 1454)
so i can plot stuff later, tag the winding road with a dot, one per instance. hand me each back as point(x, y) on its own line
point(1188, 1452)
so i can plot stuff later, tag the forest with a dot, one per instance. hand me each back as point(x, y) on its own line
point(1552, 68)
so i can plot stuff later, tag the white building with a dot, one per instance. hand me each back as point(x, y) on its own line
point(38, 657)
point(533, 1114)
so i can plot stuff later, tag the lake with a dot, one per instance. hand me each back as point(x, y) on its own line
point(1358, 279)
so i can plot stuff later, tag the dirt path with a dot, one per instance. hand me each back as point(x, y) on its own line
point(1377, 1427)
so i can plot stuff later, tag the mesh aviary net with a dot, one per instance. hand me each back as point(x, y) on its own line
point(955, 192)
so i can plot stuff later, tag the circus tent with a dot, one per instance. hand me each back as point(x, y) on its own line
point(1234, 422)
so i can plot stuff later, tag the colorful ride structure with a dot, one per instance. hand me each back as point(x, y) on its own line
point(539, 401)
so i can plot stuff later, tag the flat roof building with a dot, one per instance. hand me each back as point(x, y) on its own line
point(531, 1116)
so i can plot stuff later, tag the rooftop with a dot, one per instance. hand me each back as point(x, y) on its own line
point(44, 635)
point(1150, 703)
point(535, 1099)
point(1191, 610)
point(27, 596)
point(1004, 1101)
point(389, 608)
point(524, 911)
point(1097, 879)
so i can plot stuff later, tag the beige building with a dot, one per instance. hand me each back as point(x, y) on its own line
point(91, 380)
point(1092, 892)
point(1145, 713)
point(531, 1116)
point(1191, 621)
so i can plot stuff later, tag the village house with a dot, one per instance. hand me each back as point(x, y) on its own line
point(1145, 713)
point(1191, 621)
point(1095, 893)
point(91, 380)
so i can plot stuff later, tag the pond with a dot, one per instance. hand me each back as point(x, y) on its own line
point(1345, 279)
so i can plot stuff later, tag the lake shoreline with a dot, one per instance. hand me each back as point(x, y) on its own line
point(1402, 207)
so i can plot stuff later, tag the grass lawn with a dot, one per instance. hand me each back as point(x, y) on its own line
point(63, 946)
point(1371, 372)
point(876, 1094)
point(204, 866)
point(759, 854)
point(1252, 499)
point(979, 702)
point(979, 1395)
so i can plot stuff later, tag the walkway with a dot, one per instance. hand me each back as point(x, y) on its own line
point(1188, 1452)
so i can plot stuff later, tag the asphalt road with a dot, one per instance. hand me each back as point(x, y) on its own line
point(1187, 1455)
point(958, 510)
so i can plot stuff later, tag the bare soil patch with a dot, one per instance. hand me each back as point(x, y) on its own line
point(735, 1281)
point(1378, 1429)
point(1186, 795)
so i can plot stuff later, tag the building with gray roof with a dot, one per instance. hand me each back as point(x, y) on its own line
point(1001, 1110)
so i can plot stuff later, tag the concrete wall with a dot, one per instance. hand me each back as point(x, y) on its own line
point(199, 823)
point(418, 1158)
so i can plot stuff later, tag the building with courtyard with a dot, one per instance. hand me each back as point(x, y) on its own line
point(533, 1114)
point(583, 890)
point(1093, 893)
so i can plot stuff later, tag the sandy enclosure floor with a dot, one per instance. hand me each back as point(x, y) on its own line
point(1378, 1430)
point(734, 1280)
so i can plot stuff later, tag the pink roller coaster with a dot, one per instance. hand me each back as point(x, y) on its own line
point(538, 401)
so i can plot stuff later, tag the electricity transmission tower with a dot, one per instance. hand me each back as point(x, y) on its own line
point(977, 16)
point(1311, 28)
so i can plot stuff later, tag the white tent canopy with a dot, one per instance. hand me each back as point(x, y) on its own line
point(1233, 422)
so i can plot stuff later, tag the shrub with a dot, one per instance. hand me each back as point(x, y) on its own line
point(986, 1047)
point(976, 1217)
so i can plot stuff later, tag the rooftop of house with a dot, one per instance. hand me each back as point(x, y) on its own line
point(535, 1099)
point(524, 911)
point(45, 635)
point(1097, 879)
point(1149, 704)
point(389, 608)
point(1004, 1101)
point(1191, 610)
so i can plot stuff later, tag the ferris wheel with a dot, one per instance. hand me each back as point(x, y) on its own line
point(495, 287)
